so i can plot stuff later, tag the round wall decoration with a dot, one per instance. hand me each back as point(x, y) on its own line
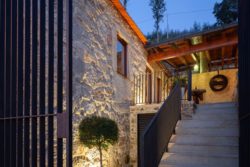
point(218, 82)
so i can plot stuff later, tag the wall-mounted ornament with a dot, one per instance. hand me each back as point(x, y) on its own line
point(218, 82)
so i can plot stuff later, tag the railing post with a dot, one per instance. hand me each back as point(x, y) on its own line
point(189, 84)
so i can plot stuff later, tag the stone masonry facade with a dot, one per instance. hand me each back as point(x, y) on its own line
point(97, 88)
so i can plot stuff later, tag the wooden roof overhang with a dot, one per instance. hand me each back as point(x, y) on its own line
point(219, 45)
point(118, 6)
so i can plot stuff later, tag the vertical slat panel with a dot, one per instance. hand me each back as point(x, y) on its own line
point(27, 85)
point(19, 82)
point(2, 67)
point(7, 77)
point(34, 81)
point(13, 80)
point(20, 86)
point(69, 9)
point(60, 77)
point(244, 82)
point(50, 154)
point(42, 84)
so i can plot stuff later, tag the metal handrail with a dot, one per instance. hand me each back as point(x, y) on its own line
point(157, 134)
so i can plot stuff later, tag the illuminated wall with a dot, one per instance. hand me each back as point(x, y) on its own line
point(201, 81)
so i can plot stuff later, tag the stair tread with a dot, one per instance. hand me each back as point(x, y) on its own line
point(203, 131)
point(203, 150)
point(209, 139)
point(191, 160)
point(204, 140)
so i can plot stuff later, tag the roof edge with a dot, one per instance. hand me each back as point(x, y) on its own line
point(190, 35)
point(118, 6)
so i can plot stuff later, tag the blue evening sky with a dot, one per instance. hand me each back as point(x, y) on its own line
point(181, 13)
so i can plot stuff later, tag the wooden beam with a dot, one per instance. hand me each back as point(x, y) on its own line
point(183, 60)
point(230, 60)
point(173, 53)
point(172, 64)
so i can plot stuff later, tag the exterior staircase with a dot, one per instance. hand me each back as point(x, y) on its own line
point(209, 139)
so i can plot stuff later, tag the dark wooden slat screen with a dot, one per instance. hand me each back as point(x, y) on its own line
point(2, 67)
point(42, 82)
point(32, 82)
point(13, 72)
point(19, 159)
point(244, 83)
point(60, 77)
point(142, 121)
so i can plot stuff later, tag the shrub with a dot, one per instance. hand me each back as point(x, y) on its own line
point(98, 132)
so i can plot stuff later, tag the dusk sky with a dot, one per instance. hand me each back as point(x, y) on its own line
point(181, 13)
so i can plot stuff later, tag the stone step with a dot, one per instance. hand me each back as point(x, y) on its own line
point(204, 140)
point(206, 116)
point(216, 111)
point(217, 105)
point(223, 132)
point(207, 124)
point(213, 151)
point(178, 160)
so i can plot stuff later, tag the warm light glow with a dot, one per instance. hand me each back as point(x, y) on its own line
point(196, 68)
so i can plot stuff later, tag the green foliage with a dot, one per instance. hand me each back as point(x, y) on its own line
point(98, 131)
point(158, 8)
point(226, 12)
point(165, 35)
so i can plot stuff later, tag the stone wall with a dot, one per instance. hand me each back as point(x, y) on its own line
point(97, 88)
point(134, 111)
point(201, 81)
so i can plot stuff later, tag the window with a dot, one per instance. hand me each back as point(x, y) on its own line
point(121, 56)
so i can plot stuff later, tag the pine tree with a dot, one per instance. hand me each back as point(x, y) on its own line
point(158, 8)
point(226, 12)
point(125, 2)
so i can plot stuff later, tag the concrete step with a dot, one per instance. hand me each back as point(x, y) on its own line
point(217, 105)
point(199, 150)
point(216, 111)
point(207, 124)
point(177, 160)
point(217, 116)
point(204, 140)
point(223, 132)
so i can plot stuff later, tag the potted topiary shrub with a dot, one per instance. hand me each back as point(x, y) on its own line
point(98, 132)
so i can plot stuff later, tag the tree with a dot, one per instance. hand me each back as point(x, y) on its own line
point(164, 35)
point(125, 2)
point(226, 12)
point(98, 132)
point(158, 8)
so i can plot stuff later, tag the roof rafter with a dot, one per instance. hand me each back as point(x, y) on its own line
point(205, 46)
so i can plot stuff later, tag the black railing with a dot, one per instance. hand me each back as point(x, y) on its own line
point(157, 134)
point(152, 87)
